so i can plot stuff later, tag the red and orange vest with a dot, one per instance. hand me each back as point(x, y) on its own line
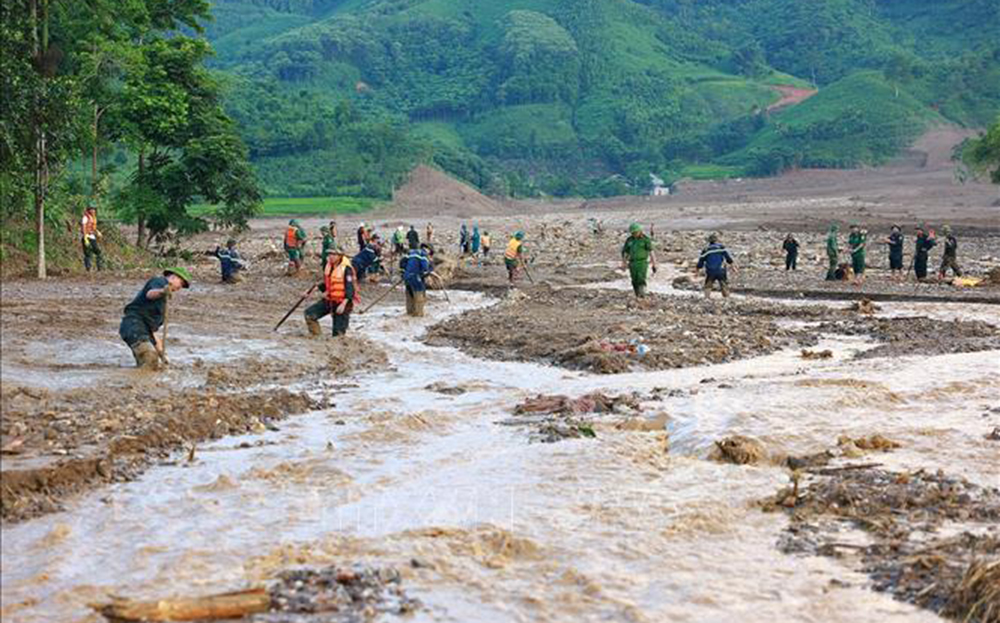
point(335, 280)
point(89, 225)
point(292, 237)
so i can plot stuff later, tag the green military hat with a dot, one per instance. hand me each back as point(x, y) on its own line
point(519, 235)
point(634, 228)
point(946, 229)
point(180, 272)
point(324, 230)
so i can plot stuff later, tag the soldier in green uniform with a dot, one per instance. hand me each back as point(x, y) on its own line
point(857, 242)
point(950, 257)
point(329, 242)
point(637, 254)
point(832, 252)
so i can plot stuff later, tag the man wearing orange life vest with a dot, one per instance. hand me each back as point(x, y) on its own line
point(90, 235)
point(339, 298)
point(295, 240)
point(514, 256)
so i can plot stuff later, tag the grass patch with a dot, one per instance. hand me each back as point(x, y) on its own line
point(302, 206)
point(711, 172)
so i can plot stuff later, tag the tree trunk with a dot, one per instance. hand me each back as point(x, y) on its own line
point(140, 218)
point(93, 155)
point(41, 173)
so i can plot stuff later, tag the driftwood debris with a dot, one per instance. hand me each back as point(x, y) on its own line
point(224, 606)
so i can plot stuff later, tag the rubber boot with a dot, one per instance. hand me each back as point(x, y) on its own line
point(146, 356)
point(419, 299)
point(314, 328)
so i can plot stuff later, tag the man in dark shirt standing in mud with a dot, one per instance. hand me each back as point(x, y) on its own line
point(924, 243)
point(714, 259)
point(895, 242)
point(146, 314)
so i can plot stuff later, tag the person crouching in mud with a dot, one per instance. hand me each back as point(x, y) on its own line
point(340, 295)
point(146, 314)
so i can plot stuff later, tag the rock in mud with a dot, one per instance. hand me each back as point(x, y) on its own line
point(738, 450)
point(812, 354)
point(872, 442)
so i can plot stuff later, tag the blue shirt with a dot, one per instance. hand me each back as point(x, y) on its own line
point(362, 261)
point(714, 258)
point(416, 266)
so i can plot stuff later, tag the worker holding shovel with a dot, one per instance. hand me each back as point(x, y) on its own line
point(514, 256)
point(340, 295)
point(145, 315)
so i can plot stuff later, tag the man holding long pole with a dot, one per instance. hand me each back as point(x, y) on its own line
point(145, 315)
point(340, 295)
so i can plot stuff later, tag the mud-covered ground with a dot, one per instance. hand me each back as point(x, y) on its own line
point(406, 453)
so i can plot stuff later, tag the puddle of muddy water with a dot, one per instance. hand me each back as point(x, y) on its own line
point(606, 529)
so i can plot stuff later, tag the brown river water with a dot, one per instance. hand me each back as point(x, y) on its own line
point(608, 529)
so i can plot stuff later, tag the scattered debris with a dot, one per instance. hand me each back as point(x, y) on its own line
point(812, 354)
point(329, 595)
point(552, 432)
point(994, 435)
point(563, 405)
point(872, 442)
point(865, 306)
point(738, 450)
point(443, 388)
point(952, 575)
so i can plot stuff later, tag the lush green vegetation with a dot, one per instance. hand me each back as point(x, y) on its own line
point(590, 96)
point(301, 206)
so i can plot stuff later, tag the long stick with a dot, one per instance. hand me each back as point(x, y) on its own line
point(443, 288)
point(527, 272)
point(294, 307)
point(163, 340)
point(384, 294)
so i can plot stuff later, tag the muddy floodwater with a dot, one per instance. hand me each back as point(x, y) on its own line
point(417, 467)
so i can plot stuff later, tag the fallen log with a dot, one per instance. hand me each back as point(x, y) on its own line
point(224, 606)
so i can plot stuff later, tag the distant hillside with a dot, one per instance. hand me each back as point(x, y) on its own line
point(590, 96)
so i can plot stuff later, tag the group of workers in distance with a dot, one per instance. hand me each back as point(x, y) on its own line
point(857, 247)
point(342, 273)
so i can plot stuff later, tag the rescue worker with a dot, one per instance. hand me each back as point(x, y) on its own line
point(333, 230)
point(895, 243)
point(463, 239)
point(487, 243)
point(362, 237)
point(514, 255)
point(398, 238)
point(230, 262)
point(340, 295)
point(295, 240)
point(329, 242)
point(365, 260)
point(144, 315)
point(413, 238)
point(858, 242)
point(90, 236)
point(924, 243)
point(476, 239)
point(832, 252)
point(713, 259)
point(429, 233)
point(416, 265)
point(637, 253)
point(791, 248)
point(950, 257)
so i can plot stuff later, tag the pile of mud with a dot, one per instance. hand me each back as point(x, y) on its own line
point(933, 538)
point(430, 192)
point(918, 335)
point(607, 332)
point(56, 444)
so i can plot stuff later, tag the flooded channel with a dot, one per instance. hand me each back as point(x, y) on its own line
point(414, 467)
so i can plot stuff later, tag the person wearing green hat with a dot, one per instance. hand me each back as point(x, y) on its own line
point(144, 316)
point(637, 254)
point(832, 252)
point(295, 240)
point(90, 236)
point(857, 242)
point(329, 242)
point(514, 255)
point(950, 257)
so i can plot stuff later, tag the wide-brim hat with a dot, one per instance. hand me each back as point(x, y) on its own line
point(180, 272)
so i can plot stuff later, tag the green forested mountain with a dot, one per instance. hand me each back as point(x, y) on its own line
point(590, 96)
